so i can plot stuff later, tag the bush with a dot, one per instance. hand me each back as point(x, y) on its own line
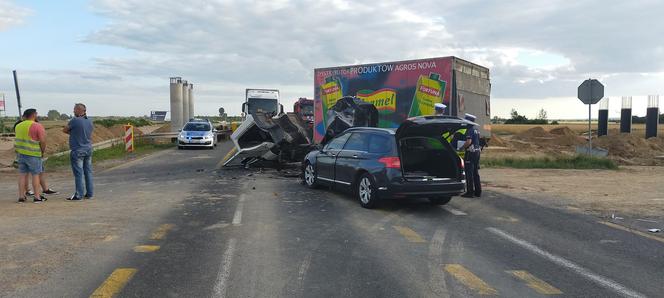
point(133, 121)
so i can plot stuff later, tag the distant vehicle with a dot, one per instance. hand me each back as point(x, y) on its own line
point(413, 161)
point(197, 133)
point(262, 101)
point(405, 89)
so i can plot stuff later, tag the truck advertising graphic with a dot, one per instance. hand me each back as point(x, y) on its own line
point(398, 89)
point(404, 89)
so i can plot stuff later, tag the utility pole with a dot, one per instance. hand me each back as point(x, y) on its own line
point(18, 95)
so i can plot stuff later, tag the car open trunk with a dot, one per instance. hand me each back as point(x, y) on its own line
point(424, 153)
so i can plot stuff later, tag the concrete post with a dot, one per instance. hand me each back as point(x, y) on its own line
point(176, 103)
point(626, 115)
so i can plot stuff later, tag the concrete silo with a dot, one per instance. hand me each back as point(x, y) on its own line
point(191, 101)
point(185, 101)
point(176, 103)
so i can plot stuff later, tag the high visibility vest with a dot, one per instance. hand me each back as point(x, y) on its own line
point(450, 137)
point(23, 142)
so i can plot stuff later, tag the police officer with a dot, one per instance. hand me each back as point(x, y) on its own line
point(472, 160)
point(439, 109)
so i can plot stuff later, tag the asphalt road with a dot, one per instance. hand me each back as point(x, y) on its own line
point(240, 233)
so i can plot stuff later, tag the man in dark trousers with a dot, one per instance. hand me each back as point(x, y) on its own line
point(80, 130)
point(472, 160)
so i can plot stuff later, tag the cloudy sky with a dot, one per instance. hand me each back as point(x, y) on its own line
point(117, 56)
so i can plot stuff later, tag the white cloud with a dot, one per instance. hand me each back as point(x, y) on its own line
point(538, 51)
point(11, 14)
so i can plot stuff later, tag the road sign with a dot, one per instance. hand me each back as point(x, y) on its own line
point(590, 91)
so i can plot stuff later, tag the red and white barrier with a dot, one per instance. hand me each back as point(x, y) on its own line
point(129, 138)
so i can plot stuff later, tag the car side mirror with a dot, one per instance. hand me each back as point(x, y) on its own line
point(281, 109)
point(244, 107)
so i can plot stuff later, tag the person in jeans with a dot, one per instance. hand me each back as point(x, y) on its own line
point(80, 130)
point(30, 144)
point(42, 176)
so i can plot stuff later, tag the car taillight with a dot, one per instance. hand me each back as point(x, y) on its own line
point(463, 164)
point(391, 162)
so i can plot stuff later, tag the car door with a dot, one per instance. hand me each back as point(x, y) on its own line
point(327, 157)
point(350, 158)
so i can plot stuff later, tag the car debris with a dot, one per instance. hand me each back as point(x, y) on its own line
point(283, 138)
point(654, 230)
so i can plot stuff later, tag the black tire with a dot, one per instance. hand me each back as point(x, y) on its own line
point(180, 147)
point(365, 191)
point(309, 177)
point(440, 200)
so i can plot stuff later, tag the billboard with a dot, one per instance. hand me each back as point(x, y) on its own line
point(158, 115)
point(398, 89)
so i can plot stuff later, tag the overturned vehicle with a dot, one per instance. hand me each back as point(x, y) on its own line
point(285, 137)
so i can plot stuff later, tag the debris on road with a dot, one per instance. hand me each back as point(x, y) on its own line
point(654, 230)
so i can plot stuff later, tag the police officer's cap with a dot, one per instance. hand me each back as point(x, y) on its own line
point(439, 106)
point(470, 117)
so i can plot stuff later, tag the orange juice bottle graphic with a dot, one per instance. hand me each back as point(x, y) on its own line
point(429, 91)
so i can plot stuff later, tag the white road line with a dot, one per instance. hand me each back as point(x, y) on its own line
point(219, 290)
point(436, 277)
point(454, 211)
point(304, 267)
point(237, 217)
point(598, 279)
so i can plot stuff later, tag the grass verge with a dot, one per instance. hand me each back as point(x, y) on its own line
point(114, 152)
point(563, 162)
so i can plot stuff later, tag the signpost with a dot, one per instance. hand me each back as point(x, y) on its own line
point(590, 92)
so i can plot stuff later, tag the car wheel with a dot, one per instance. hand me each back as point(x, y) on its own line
point(366, 191)
point(440, 200)
point(309, 176)
point(180, 147)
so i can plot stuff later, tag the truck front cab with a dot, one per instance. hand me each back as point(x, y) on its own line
point(262, 101)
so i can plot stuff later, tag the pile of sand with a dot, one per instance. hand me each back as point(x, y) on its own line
point(58, 141)
point(631, 146)
point(496, 141)
point(562, 131)
point(561, 137)
point(536, 132)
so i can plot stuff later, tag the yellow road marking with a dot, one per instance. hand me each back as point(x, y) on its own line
point(619, 227)
point(146, 248)
point(109, 238)
point(535, 283)
point(470, 280)
point(114, 283)
point(161, 231)
point(411, 235)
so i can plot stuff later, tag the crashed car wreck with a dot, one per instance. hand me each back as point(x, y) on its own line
point(284, 137)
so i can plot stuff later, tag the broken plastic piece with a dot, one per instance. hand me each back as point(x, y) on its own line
point(654, 230)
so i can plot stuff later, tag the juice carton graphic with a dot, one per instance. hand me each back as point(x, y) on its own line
point(429, 90)
point(330, 92)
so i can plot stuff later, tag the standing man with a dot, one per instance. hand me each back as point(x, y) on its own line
point(80, 130)
point(472, 160)
point(42, 176)
point(30, 144)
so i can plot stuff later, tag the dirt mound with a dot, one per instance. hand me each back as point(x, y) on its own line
point(497, 141)
point(533, 133)
point(630, 146)
point(57, 141)
point(562, 131)
point(568, 140)
point(165, 128)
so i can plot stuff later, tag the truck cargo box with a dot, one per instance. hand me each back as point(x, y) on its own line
point(405, 89)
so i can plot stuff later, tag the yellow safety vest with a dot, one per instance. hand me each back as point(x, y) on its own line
point(450, 136)
point(23, 142)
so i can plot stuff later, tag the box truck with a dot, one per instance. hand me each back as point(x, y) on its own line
point(403, 89)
